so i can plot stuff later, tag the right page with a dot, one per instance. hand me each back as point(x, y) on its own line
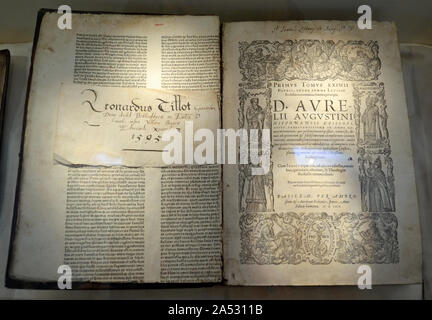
point(338, 202)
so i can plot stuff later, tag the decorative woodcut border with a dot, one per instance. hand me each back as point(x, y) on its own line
point(318, 238)
point(268, 237)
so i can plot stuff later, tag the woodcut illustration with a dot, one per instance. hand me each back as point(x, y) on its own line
point(256, 191)
point(262, 61)
point(375, 162)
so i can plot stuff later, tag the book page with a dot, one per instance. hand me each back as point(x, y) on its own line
point(339, 199)
point(112, 221)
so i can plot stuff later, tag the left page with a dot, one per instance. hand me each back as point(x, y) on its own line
point(93, 193)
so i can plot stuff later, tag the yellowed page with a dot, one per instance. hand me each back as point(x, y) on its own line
point(340, 193)
point(113, 223)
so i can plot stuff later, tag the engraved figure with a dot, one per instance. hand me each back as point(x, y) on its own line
point(255, 196)
point(288, 240)
point(320, 60)
point(390, 178)
point(258, 64)
point(371, 124)
point(361, 66)
point(318, 244)
point(383, 120)
point(265, 243)
point(255, 115)
point(302, 61)
point(255, 192)
point(243, 186)
point(269, 189)
point(363, 179)
point(367, 238)
point(378, 194)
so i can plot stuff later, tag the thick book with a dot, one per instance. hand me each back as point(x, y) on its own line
point(137, 169)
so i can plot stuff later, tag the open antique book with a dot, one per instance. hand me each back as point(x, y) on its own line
point(96, 193)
